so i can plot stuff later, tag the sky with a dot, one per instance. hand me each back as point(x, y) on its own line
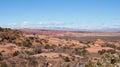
point(76, 14)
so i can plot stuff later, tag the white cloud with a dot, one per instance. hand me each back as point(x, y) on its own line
point(24, 23)
point(27, 24)
point(12, 23)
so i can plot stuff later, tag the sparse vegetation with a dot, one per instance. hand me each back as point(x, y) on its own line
point(109, 45)
point(107, 60)
point(81, 51)
point(25, 50)
point(106, 51)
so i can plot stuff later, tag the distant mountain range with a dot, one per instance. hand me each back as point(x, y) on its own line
point(82, 30)
point(108, 30)
point(78, 30)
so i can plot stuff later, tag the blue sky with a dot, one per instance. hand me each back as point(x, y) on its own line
point(79, 14)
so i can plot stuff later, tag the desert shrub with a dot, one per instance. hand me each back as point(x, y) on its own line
point(1, 56)
point(66, 59)
point(106, 51)
point(101, 51)
point(37, 50)
point(106, 60)
point(8, 37)
point(27, 44)
point(44, 40)
point(12, 62)
point(23, 63)
point(81, 51)
point(66, 47)
point(38, 40)
point(112, 46)
point(47, 46)
point(18, 44)
point(31, 38)
point(90, 63)
point(3, 36)
point(84, 52)
point(3, 64)
point(29, 52)
point(34, 39)
point(111, 51)
point(16, 53)
point(118, 48)
point(109, 45)
point(32, 61)
point(11, 39)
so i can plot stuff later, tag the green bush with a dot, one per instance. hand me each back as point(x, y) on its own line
point(66, 59)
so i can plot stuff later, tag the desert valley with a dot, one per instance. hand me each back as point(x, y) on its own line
point(57, 48)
